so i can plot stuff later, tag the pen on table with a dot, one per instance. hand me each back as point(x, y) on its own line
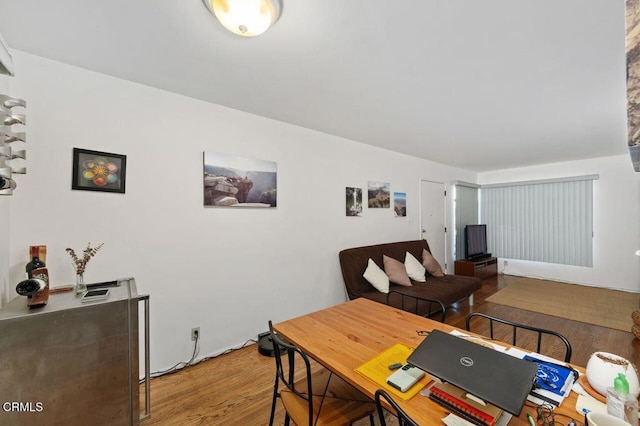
point(531, 422)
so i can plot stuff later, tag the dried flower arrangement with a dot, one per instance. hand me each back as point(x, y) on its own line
point(88, 253)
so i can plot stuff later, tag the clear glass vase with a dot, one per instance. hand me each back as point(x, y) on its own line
point(81, 287)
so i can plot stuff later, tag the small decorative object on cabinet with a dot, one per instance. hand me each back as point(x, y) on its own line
point(36, 286)
point(81, 265)
point(80, 287)
point(36, 289)
point(40, 297)
point(37, 260)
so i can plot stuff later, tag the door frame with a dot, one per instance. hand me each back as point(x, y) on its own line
point(445, 198)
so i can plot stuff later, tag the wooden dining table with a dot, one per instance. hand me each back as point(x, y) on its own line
point(345, 336)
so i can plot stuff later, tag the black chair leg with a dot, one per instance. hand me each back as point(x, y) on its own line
point(273, 402)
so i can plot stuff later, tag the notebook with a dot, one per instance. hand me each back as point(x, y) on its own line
point(461, 404)
point(377, 370)
point(493, 376)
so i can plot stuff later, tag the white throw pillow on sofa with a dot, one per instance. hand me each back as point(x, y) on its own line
point(376, 277)
point(415, 270)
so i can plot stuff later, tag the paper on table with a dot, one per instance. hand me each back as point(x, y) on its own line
point(453, 420)
point(585, 404)
point(577, 388)
point(519, 353)
point(478, 340)
point(377, 370)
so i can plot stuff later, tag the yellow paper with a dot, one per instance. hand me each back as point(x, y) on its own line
point(377, 370)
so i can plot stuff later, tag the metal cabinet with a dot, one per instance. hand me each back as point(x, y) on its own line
point(73, 363)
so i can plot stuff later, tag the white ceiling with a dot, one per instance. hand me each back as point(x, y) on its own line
point(481, 85)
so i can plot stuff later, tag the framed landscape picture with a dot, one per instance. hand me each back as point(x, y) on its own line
point(353, 201)
point(633, 82)
point(98, 171)
point(379, 195)
point(233, 181)
point(400, 204)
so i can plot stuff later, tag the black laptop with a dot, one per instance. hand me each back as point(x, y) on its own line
point(498, 378)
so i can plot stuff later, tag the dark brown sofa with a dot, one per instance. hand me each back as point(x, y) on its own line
point(447, 290)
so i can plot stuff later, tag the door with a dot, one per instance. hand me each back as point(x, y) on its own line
point(432, 220)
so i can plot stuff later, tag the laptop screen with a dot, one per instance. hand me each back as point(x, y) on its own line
point(493, 376)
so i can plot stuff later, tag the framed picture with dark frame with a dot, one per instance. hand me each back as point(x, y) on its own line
point(98, 171)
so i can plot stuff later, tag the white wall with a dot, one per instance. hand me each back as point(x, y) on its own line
point(616, 227)
point(225, 270)
point(5, 225)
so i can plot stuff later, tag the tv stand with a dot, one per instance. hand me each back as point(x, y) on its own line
point(479, 268)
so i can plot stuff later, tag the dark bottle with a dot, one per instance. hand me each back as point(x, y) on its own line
point(30, 287)
point(35, 262)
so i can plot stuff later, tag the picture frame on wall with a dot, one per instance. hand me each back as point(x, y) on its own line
point(400, 204)
point(98, 171)
point(379, 195)
point(353, 201)
point(235, 181)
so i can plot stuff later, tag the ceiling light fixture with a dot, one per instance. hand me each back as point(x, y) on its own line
point(247, 18)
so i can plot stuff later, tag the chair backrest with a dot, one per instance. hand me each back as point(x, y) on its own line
point(403, 418)
point(516, 326)
point(286, 374)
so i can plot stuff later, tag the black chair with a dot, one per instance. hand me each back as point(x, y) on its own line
point(516, 326)
point(411, 293)
point(403, 418)
point(316, 399)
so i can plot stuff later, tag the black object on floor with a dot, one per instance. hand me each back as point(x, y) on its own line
point(265, 345)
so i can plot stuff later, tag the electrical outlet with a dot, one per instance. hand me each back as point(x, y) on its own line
point(505, 263)
point(195, 333)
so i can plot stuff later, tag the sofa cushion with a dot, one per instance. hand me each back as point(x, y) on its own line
point(448, 289)
point(376, 277)
point(396, 271)
point(431, 264)
point(414, 268)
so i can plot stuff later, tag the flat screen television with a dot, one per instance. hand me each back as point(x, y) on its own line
point(475, 238)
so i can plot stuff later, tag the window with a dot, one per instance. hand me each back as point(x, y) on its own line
point(544, 221)
point(466, 213)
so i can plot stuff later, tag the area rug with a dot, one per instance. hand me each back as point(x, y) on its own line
point(592, 305)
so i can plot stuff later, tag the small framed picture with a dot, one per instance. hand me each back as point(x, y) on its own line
point(98, 171)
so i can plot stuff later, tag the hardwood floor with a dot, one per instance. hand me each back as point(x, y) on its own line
point(236, 388)
point(585, 338)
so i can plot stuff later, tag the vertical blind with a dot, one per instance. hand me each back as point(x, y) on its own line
point(545, 221)
point(466, 209)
